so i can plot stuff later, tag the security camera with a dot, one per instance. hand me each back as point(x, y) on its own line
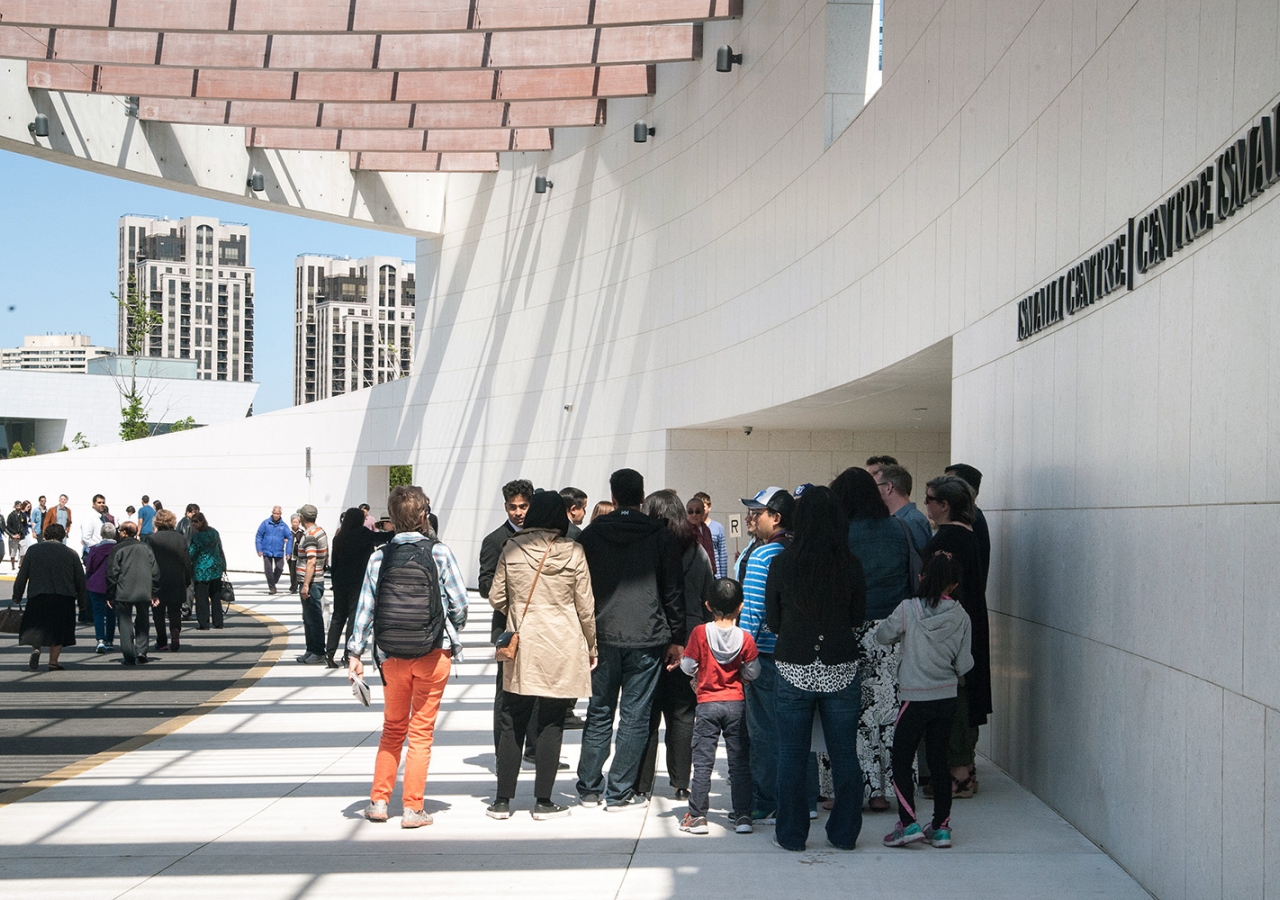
point(746, 429)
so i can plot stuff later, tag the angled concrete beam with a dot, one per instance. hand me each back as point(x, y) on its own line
point(349, 86)
point(417, 140)
point(374, 16)
point(620, 45)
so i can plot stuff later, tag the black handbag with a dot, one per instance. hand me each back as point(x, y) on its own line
point(11, 619)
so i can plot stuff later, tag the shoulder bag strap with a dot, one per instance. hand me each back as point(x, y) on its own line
point(533, 586)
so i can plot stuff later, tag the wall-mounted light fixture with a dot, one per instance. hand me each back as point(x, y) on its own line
point(725, 59)
point(541, 184)
point(642, 132)
point(39, 127)
point(257, 182)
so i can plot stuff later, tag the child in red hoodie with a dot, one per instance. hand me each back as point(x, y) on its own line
point(721, 657)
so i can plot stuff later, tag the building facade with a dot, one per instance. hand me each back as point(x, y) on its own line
point(194, 273)
point(353, 323)
point(971, 270)
point(53, 353)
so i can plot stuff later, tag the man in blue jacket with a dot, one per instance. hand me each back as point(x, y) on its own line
point(272, 542)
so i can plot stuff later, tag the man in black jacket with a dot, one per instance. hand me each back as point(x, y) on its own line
point(515, 501)
point(638, 584)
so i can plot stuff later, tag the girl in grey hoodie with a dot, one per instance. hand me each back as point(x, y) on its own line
point(936, 633)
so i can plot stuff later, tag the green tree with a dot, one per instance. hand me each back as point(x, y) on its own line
point(400, 475)
point(183, 424)
point(80, 442)
point(140, 319)
point(16, 451)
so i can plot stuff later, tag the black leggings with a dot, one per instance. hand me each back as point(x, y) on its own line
point(932, 720)
point(517, 711)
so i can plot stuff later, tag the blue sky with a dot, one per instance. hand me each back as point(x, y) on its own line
point(58, 255)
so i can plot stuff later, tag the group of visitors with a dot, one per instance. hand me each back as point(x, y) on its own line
point(850, 607)
point(128, 576)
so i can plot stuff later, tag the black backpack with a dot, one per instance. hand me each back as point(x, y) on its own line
point(408, 615)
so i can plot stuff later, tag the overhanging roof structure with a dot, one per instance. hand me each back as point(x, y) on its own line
point(429, 86)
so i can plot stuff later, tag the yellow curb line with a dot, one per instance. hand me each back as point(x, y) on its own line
point(275, 649)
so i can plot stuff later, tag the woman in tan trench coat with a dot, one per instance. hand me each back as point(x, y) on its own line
point(543, 586)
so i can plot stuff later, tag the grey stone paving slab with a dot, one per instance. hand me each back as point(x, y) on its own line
point(260, 799)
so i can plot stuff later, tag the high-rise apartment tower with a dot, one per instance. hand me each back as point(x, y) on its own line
point(353, 324)
point(195, 273)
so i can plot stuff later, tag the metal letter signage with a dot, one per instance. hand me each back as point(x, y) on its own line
point(1239, 175)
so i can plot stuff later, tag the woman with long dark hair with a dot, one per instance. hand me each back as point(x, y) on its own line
point(949, 503)
point(881, 544)
point(815, 601)
point(543, 587)
point(208, 564)
point(352, 546)
point(673, 698)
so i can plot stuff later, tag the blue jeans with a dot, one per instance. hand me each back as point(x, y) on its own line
point(313, 618)
point(762, 729)
point(840, 713)
point(104, 619)
point(632, 674)
point(714, 718)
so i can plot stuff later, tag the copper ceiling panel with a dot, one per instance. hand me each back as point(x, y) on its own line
point(425, 162)
point(435, 140)
point(299, 114)
point(373, 16)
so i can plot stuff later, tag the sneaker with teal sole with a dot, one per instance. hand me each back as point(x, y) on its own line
point(940, 836)
point(901, 836)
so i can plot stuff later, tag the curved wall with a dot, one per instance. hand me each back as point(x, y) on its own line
point(731, 265)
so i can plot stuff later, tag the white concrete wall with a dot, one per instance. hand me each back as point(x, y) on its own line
point(730, 465)
point(731, 265)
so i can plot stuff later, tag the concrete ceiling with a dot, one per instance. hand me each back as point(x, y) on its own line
point(911, 395)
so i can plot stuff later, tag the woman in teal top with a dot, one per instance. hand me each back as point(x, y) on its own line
point(208, 564)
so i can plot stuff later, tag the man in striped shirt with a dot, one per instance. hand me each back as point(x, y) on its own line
point(313, 551)
point(769, 518)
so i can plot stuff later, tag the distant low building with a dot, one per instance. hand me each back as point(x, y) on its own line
point(47, 410)
point(53, 353)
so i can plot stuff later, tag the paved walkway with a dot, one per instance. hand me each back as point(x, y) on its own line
point(50, 720)
point(261, 797)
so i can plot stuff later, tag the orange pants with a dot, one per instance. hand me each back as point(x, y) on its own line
point(412, 700)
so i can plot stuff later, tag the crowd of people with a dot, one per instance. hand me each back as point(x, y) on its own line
point(147, 569)
point(843, 657)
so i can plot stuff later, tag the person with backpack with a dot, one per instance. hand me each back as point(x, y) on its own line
point(413, 604)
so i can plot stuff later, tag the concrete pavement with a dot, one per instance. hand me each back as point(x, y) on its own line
point(260, 798)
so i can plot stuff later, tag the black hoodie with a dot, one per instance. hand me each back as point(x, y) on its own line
point(637, 580)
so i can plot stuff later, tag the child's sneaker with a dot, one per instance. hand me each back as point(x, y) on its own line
point(940, 836)
point(694, 824)
point(742, 824)
point(900, 836)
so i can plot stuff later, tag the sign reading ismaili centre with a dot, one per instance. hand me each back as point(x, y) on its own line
point(1241, 172)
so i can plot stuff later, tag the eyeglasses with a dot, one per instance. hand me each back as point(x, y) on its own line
point(929, 498)
point(752, 513)
point(883, 484)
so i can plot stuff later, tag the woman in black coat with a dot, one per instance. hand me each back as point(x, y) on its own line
point(348, 558)
point(949, 503)
point(53, 578)
point(174, 560)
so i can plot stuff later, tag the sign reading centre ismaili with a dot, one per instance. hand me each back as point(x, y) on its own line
point(1242, 171)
